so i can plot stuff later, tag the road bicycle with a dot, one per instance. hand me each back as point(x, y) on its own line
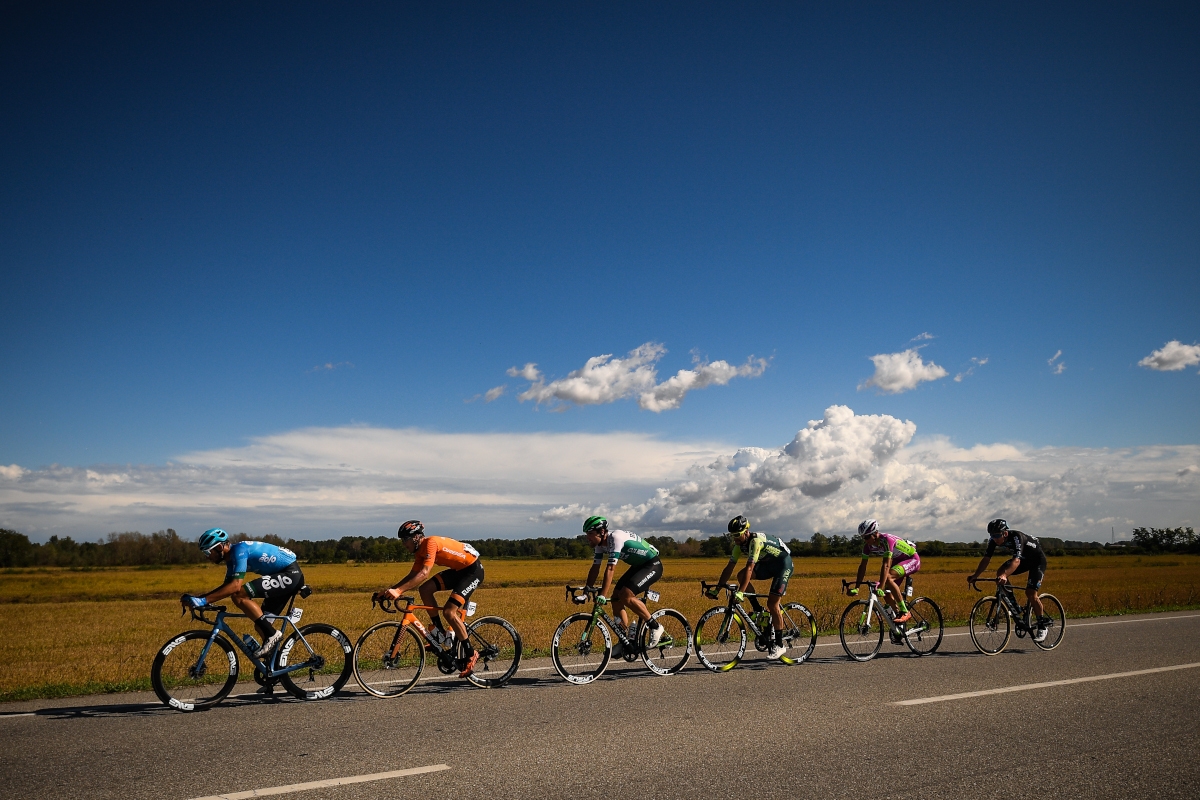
point(721, 632)
point(994, 617)
point(198, 668)
point(583, 643)
point(390, 655)
point(863, 621)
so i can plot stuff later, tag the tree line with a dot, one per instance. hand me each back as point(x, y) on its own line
point(167, 548)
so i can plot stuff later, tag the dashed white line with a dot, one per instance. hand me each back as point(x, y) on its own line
point(301, 787)
point(1043, 685)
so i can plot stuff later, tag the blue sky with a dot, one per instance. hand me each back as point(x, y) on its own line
point(205, 204)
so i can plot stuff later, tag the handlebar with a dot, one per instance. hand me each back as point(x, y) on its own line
point(974, 581)
point(580, 594)
point(871, 585)
point(705, 586)
point(389, 606)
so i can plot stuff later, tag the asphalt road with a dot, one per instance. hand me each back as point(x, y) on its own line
point(827, 728)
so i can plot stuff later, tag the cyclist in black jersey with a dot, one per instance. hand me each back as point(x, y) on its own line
point(1028, 556)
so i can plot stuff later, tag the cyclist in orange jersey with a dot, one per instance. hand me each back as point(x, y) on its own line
point(462, 576)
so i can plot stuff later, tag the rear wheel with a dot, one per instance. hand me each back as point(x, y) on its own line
point(990, 625)
point(324, 653)
point(925, 627)
point(1057, 627)
point(580, 649)
point(861, 636)
point(720, 639)
point(499, 648)
point(673, 649)
point(388, 659)
point(799, 633)
point(185, 680)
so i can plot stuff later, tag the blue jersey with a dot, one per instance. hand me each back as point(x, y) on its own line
point(260, 558)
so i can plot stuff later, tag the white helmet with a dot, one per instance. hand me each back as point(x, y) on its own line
point(868, 527)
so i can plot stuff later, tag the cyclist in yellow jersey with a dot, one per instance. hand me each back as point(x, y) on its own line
point(767, 556)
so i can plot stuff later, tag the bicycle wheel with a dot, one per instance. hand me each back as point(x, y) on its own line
point(325, 653)
point(579, 649)
point(673, 649)
point(183, 680)
point(925, 627)
point(990, 626)
point(720, 639)
point(799, 633)
point(1058, 622)
point(861, 638)
point(388, 659)
point(499, 648)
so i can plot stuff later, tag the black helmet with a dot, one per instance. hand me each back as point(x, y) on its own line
point(738, 525)
point(997, 528)
point(410, 529)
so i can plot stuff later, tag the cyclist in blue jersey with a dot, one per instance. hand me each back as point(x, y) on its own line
point(280, 579)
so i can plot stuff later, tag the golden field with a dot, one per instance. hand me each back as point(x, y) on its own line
point(72, 632)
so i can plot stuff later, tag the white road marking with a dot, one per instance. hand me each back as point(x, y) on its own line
point(25, 714)
point(300, 787)
point(1027, 686)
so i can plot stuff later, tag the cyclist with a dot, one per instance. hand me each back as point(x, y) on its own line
point(900, 559)
point(280, 578)
point(645, 567)
point(462, 576)
point(1028, 556)
point(767, 556)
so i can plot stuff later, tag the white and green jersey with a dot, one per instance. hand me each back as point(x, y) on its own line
point(760, 546)
point(627, 547)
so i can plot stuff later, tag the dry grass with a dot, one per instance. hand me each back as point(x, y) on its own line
point(50, 647)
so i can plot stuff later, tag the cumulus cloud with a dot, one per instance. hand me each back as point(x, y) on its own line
point(847, 467)
point(1058, 368)
point(605, 379)
point(969, 371)
point(329, 366)
point(12, 472)
point(490, 395)
point(1172, 357)
point(922, 337)
point(900, 372)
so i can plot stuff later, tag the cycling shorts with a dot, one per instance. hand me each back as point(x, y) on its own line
point(274, 591)
point(461, 583)
point(639, 579)
point(906, 567)
point(778, 569)
point(1035, 568)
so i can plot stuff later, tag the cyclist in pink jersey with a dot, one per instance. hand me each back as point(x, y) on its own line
point(900, 559)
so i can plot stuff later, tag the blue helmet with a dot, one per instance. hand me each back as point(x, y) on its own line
point(211, 538)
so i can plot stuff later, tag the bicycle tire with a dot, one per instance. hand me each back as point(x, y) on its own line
point(1058, 622)
point(861, 639)
point(799, 632)
point(388, 659)
point(575, 652)
point(176, 681)
point(924, 630)
point(990, 625)
point(673, 649)
point(499, 648)
point(720, 643)
point(328, 653)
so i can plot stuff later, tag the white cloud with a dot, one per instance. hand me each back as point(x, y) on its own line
point(490, 395)
point(899, 372)
point(1058, 368)
point(12, 472)
point(969, 371)
point(922, 337)
point(329, 366)
point(1172, 357)
point(604, 379)
point(847, 467)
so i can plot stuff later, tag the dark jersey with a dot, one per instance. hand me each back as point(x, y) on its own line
point(1023, 546)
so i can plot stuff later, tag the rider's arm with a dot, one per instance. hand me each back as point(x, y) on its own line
point(227, 589)
point(415, 577)
point(742, 584)
point(983, 562)
point(725, 573)
point(1003, 574)
point(608, 576)
point(883, 573)
point(862, 572)
point(593, 573)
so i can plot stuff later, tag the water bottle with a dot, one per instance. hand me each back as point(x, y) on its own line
point(250, 642)
point(908, 586)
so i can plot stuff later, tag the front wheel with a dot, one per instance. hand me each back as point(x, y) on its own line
point(499, 648)
point(1052, 611)
point(924, 630)
point(673, 648)
point(190, 674)
point(990, 626)
point(388, 659)
point(720, 639)
point(861, 630)
point(581, 648)
point(799, 633)
point(323, 655)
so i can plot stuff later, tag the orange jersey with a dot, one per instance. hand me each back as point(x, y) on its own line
point(444, 552)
